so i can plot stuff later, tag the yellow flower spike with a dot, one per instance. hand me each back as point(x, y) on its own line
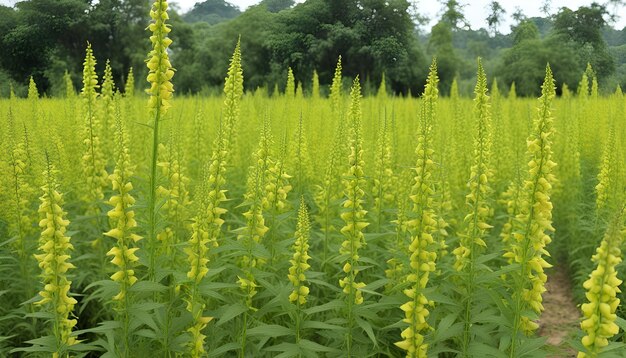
point(528, 231)
point(299, 263)
point(93, 159)
point(353, 213)
point(277, 187)
point(160, 92)
point(124, 257)
point(599, 316)
point(257, 199)
point(481, 173)
point(54, 261)
point(33, 93)
point(607, 189)
point(23, 217)
point(421, 226)
point(159, 66)
point(175, 193)
point(206, 230)
point(108, 104)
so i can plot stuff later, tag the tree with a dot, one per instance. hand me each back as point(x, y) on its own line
point(453, 14)
point(418, 18)
point(46, 37)
point(583, 28)
point(201, 63)
point(277, 5)
point(524, 63)
point(495, 16)
point(546, 7)
point(440, 46)
point(42, 33)
point(371, 36)
point(518, 15)
point(212, 12)
point(526, 30)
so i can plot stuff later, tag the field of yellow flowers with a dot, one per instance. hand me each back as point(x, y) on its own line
point(303, 226)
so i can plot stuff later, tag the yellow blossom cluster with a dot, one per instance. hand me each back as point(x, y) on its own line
point(93, 159)
point(421, 223)
point(122, 217)
point(53, 260)
point(353, 214)
point(534, 220)
point(159, 66)
point(299, 261)
point(174, 192)
point(602, 288)
point(476, 222)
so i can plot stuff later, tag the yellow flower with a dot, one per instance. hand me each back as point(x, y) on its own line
point(174, 193)
point(299, 261)
point(93, 159)
point(476, 225)
point(54, 260)
point(607, 189)
point(421, 226)
point(159, 66)
point(32, 89)
point(122, 217)
point(602, 287)
point(533, 221)
point(354, 214)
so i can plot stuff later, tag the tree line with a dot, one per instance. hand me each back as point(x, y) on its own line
point(44, 38)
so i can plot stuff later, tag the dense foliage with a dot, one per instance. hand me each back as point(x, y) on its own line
point(305, 225)
point(375, 37)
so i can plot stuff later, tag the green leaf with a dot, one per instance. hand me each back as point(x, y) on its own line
point(145, 318)
point(478, 349)
point(532, 347)
point(147, 333)
point(325, 283)
point(321, 325)
point(232, 346)
point(148, 287)
point(446, 329)
point(42, 344)
point(287, 349)
point(103, 327)
point(39, 314)
point(270, 330)
point(367, 327)
point(332, 305)
point(231, 312)
point(316, 347)
point(612, 347)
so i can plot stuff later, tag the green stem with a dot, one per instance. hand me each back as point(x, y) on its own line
point(524, 264)
point(298, 321)
point(243, 335)
point(58, 334)
point(471, 268)
point(152, 195)
point(152, 214)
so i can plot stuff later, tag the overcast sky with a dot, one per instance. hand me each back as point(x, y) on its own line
point(475, 13)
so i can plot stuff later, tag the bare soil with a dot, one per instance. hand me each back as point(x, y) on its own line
point(561, 318)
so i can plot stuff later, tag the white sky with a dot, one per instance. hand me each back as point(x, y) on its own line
point(475, 13)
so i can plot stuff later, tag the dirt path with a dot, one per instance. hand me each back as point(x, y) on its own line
point(560, 320)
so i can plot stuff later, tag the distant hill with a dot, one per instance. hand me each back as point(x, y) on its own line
point(277, 5)
point(212, 12)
